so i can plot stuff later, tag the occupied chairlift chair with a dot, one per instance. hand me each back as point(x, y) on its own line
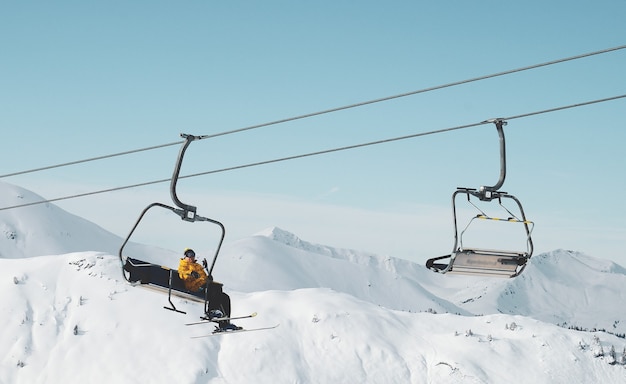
point(486, 262)
point(159, 277)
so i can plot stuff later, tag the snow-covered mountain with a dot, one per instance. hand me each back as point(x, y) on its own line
point(560, 287)
point(45, 229)
point(345, 316)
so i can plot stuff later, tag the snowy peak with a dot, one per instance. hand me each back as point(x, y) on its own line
point(291, 240)
point(45, 229)
point(566, 261)
point(282, 236)
point(11, 195)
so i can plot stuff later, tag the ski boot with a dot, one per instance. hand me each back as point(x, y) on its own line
point(227, 326)
point(215, 314)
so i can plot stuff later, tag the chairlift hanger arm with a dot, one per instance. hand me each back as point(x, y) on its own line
point(190, 210)
point(487, 193)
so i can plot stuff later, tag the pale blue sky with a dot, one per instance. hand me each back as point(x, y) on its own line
point(83, 79)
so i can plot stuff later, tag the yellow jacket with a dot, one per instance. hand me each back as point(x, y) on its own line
point(185, 269)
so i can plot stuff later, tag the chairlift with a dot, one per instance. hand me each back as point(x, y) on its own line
point(162, 278)
point(487, 262)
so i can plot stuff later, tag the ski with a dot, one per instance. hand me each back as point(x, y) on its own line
point(218, 333)
point(206, 320)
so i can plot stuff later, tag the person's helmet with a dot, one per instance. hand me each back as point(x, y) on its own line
point(189, 252)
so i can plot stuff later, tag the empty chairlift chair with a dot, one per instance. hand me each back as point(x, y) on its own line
point(487, 262)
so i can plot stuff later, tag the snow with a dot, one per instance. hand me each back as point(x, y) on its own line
point(68, 316)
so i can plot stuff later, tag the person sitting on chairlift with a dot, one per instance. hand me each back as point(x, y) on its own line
point(190, 272)
point(196, 279)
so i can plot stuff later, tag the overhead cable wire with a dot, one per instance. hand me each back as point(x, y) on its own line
point(92, 159)
point(327, 111)
point(566, 107)
point(437, 87)
point(411, 136)
point(327, 151)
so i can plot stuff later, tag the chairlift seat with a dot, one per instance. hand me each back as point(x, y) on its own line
point(486, 262)
point(158, 277)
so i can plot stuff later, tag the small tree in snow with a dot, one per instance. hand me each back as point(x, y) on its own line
point(612, 356)
point(598, 352)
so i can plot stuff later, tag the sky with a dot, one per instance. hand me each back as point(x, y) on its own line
point(80, 80)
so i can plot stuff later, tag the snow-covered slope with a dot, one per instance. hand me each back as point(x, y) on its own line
point(569, 288)
point(276, 259)
point(345, 316)
point(72, 319)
